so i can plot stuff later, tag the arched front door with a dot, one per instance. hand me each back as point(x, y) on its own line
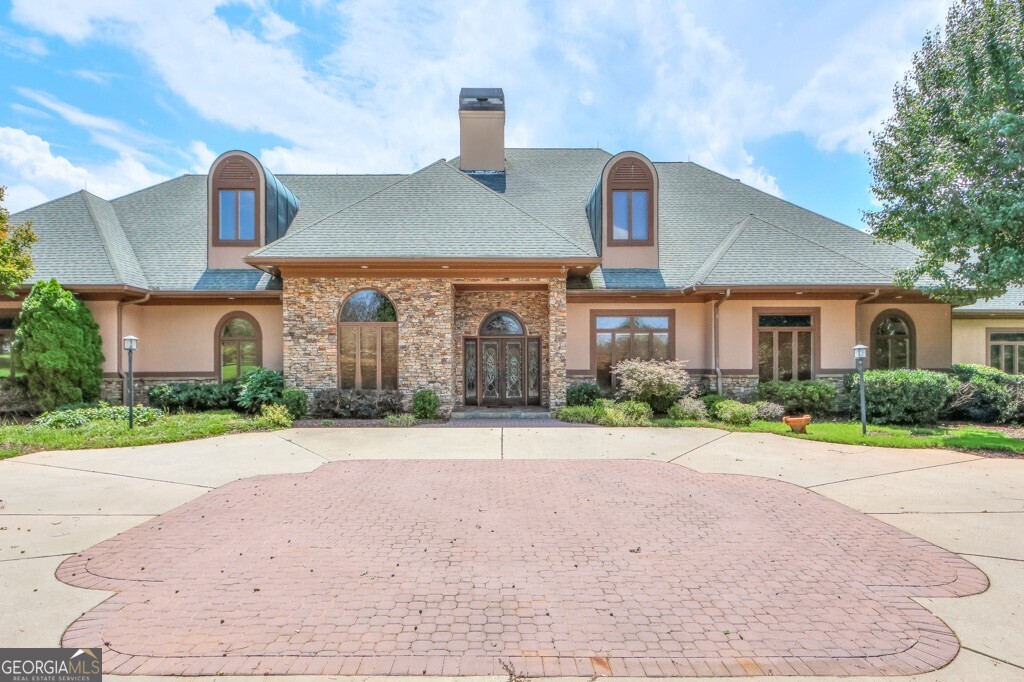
point(503, 363)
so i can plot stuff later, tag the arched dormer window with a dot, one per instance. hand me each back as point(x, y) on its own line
point(630, 197)
point(892, 341)
point(236, 195)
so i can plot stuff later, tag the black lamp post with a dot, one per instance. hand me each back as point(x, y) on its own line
point(859, 353)
point(131, 344)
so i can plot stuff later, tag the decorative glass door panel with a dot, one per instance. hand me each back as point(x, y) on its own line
point(490, 372)
point(513, 376)
point(502, 371)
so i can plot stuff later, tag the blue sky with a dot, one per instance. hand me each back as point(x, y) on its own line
point(114, 95)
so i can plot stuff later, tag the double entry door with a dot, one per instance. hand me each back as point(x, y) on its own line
point(502, 371)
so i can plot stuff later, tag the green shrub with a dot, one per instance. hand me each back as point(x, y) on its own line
point(400, 420)
point(659, 383)
point(79, 406)
point(689, 409)
point(608, 413)
point(74, 418)
point(735, 413)
point(260, 387)
point(636, 412)
point(768, 412)
point(297, 402)
point(14, 399)
point(582, 394)
point(580, 414)
point(905, 396)
point(355, 404)
point(58, 347)
point(273, 416)
point(425, 404)
point(712, 400)
point(188, 397)
point(800, 397)
point(985, 394)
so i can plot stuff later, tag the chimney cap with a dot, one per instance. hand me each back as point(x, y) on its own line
point(482, 99)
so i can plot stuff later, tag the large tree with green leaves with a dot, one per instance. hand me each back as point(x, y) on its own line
point(15, 251)
point(948, 166)
point(57, 344)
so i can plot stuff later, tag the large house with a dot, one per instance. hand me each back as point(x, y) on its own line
point(496, 278)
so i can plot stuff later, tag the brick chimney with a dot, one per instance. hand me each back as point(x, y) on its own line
point(482, 129)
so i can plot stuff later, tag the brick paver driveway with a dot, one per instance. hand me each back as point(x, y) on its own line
point(561, 567)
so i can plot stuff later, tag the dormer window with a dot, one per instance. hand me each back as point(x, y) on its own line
point(236, 200)
point(630, 188)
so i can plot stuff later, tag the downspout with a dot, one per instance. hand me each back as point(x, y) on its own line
point(120, 371)
point(714, 341)
point(856, 311)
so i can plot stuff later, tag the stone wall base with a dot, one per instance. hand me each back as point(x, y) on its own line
point(114, 389)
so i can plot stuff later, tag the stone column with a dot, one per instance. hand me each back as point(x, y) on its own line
point(557, 343)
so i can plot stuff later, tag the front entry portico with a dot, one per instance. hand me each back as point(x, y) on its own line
point(502, 363)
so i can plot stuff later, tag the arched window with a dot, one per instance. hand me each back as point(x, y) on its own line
point(235, 191)
point(368, 342)
point(502, 323)
point(630, 204)
point(892, 341)
point(239, 346)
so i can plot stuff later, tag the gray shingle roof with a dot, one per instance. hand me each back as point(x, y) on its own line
point(1010, 302)
point(75, 249)
point(436, 212)
point(713, 230)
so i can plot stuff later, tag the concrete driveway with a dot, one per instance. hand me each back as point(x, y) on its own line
point(57, 504)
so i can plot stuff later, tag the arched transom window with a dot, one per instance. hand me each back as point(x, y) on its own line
point(368, 342)
point(630, 197)
point(236, 196)
point(238, 346)
point(501, 323)
point(892, 341)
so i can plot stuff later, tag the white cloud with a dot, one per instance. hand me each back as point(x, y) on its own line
point(17, 45)
point(97, 77)
point(30, 111)
point(202, 156)
point(43, 174)
point(851, 93)
point(649, 76)
point(276, 28)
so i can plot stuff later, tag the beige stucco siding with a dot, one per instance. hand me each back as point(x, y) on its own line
point(970, 336)
point(690, 331)
point(933, 324)
point(180, 339)
point(105, 314)
point(836, 330)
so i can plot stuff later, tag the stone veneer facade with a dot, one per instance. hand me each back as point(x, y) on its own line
point(432, 315)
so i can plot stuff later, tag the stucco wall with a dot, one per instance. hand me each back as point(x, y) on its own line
point(932, 322)
point(179, 340)
point(836, 325)
point(970, 336)
point(690, 331)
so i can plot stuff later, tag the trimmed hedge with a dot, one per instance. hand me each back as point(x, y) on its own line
point(297, 402)
point(905, 396)
point(712, 400)
point(582, 394)
point(186, 397)
point(355, 403)
point(735, 413)
point(800, 397)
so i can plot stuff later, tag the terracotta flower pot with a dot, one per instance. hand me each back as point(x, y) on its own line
point(798, 424)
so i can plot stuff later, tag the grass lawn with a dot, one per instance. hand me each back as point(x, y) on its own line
point(966, 438)
point(20, 439)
